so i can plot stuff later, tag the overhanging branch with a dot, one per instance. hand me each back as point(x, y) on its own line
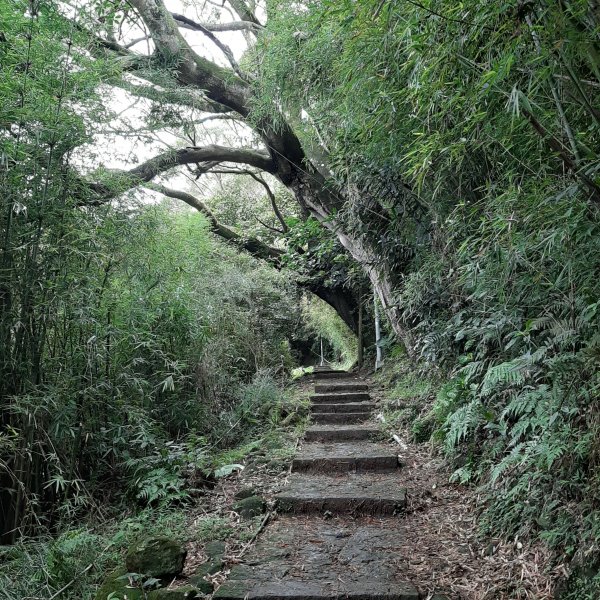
point(244, 11)
point(251, 245)
point(338, 297)
point(199, 154)
point(226, 50)
point(188, 23)
point(188, 97)
point(210, 155)
point(219, 84)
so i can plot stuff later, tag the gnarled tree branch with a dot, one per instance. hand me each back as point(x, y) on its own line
point(210, 155)
point(272, 199)
point(244, 11)
point(219, 84)
point(251, 245)
point(188, 23)
point(188, 97)
point(337, 297)
point(226, 50)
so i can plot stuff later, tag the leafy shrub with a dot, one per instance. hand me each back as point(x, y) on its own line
point(489, 239)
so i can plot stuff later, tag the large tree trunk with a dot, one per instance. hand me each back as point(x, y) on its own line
point(283, 155)
point(319, 205)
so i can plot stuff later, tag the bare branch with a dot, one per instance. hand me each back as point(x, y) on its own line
point(210, 155)
point(267, 226)
point(244, 11)
point(188, 23)
point(271, 196)
point(193, 155)
point(226, 50)
point(188, 97)
point(136, 41)
point(219, 84)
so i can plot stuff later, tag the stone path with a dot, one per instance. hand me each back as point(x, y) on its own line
point(340, 533)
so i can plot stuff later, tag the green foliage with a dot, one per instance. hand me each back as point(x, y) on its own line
point(78, 558)
point(465, 139)
point(218, 528)
point(323, 322)
point(146, 362)
point(407, 401)
point(71, 553)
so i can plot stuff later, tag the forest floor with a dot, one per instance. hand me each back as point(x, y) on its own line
point(440, 549)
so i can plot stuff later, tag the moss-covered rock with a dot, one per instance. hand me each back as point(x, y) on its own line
point(156, 556)
point(214, 564)
point(210, 567)
point(244, 493)
point(201, 584)
point(187, 592)
point(119, 586)
point(250, 507)
point(215, 549)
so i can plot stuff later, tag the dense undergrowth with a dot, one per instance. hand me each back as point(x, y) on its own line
point(141, 359)
point(463, 138)
point(422, 402)
point(160, 492)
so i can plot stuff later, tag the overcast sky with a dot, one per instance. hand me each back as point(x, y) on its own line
point(117, 151)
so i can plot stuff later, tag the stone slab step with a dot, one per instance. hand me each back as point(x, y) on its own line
point(355, 494)
point(344, 457)
point(339, 418)
point(340, 433)
point(303, 558)
point(335, 387)
point(342, 375)
point(341, 397)
point(349, 407)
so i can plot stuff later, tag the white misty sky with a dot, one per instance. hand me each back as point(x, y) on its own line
point(115, 150)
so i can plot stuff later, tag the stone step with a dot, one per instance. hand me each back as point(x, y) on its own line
point(340, 433)
point(342, 397)
point(335, 387)
point(339, 418)
point(351, 494)
point(303, 558)
point(342, 375)
point(344, 457)
point(349, 407)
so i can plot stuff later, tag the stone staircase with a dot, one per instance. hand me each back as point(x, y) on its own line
point(339, 534)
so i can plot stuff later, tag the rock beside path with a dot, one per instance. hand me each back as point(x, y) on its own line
point(250, 507)
point(158, 557)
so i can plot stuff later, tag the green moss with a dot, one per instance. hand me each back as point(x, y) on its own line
point(250, 507)
point(117, 586)
point(156, 556)
point(423, 428)
point(186, 592)
point(214, 529)
point(201, 584)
